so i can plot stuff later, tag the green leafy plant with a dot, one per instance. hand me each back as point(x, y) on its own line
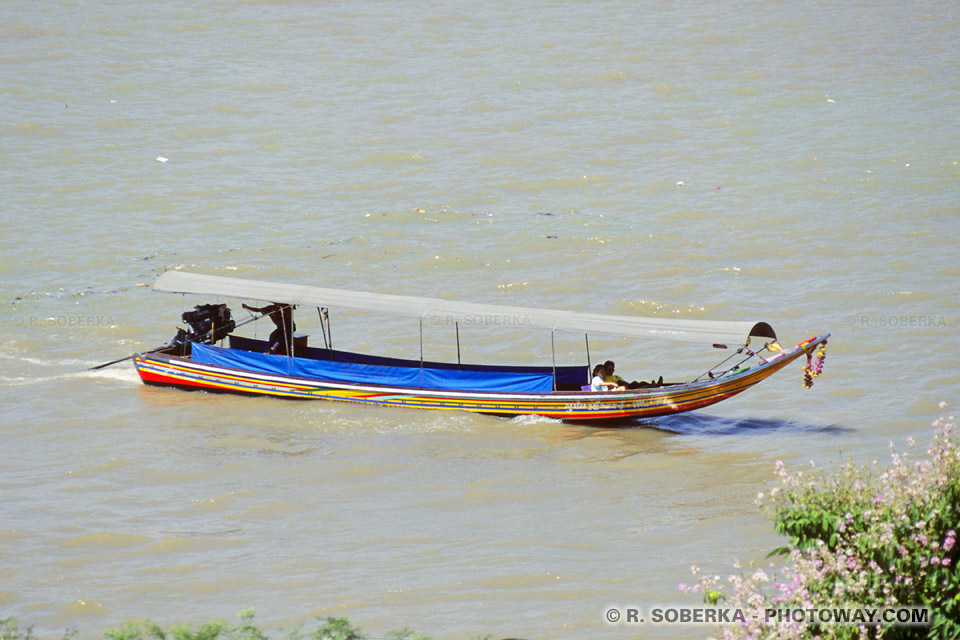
point(331, 628)
point(328, 629)
point(337, 629)
point(10, 630)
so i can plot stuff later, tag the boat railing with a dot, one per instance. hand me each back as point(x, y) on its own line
point(740, 365)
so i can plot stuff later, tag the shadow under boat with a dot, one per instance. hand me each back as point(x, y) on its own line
point(698, 423)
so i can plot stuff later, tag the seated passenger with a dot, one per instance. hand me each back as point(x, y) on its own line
point(599, 384)
point(610, 376)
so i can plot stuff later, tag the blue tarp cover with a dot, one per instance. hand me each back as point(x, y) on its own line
point(424, 378)
point(571, 376)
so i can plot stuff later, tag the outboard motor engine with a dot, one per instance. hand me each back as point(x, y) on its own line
point(208, 323)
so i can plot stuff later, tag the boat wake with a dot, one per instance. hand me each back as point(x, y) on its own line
point(67, 362)
point(120, 374)
point(534, 419)
point(21, 371)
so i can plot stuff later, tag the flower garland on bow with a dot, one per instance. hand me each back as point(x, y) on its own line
point(814, 365)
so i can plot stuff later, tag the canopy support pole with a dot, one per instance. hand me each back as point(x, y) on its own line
point(326, 312)
point(457, 325)
point(421, 343)
point(586, 339)
point(288, 335)
point(323, 332)
point(553, 353)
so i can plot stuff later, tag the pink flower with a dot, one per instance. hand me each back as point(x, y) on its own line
point(945, 562)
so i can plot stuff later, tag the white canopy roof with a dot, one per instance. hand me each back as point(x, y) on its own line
point(438, 311)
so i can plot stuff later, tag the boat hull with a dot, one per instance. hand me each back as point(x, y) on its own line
point(170, 371)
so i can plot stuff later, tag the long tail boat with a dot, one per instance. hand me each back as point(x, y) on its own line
point(194, 362)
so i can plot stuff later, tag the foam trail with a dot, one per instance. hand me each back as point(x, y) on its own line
point(71, 368)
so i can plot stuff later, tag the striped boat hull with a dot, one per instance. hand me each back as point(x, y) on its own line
point(171, 371)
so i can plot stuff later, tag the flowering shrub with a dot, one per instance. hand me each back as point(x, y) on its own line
point(861, 537)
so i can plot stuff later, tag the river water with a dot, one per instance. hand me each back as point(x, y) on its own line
point(791, 162)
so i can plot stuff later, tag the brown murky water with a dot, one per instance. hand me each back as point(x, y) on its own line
point(771, 162)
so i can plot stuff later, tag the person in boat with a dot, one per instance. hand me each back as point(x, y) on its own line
point(610, 376)
point(282, 316)
point(600, 384)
